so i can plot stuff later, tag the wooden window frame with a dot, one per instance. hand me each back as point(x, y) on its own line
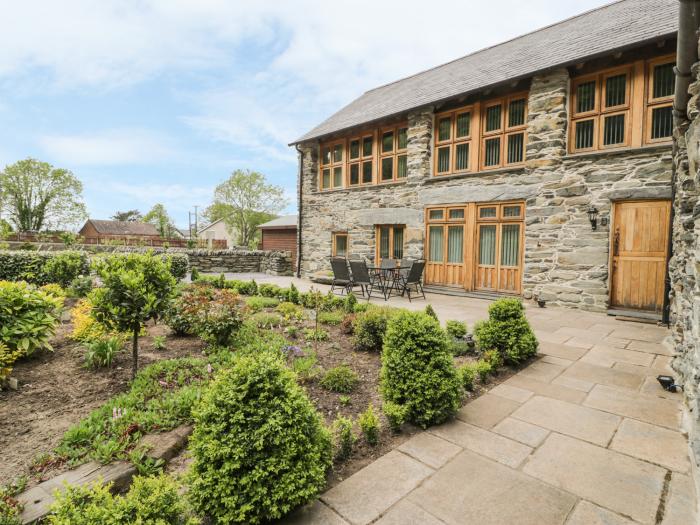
point(334, 243)
point(333, 164)
point(455, 141)
point(504, 131)
point(377, 234)
point(652, 103)
point(395, 153)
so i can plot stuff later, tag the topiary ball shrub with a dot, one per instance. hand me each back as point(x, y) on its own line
point(417, 369)
point(341, 379)
point(508, 331)
point(259, 446)
point(369, 328)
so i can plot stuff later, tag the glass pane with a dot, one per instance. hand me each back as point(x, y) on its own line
point(436, 243)
point(584, 134)
point(664, 81)
point(487, 213)
point(585, 96)
point(367, 146)
point(387, 168)
point(457, 214)
point(341, 245)
point(493, 118)
point(384, 242)
point(463, 123)
point(354, 149)
point(615, 90)
point(354, 174)
point(455, 244)
point(487, 244)
point(398, 243)
point(511, 211)
point(326, 156)
point(388, 142)
point(516, 112)
point(493, 152)
point(614, 130)
point(337, 177)
point(338, 153)
point(444, 128)
point(367, 172)
point(401, 166)
point(661, 122)
point(510, 244)
point(443, 165)
point(436, 215)
point(462, 157)
point(326, 182)
point(403, 138)
point(515, 148)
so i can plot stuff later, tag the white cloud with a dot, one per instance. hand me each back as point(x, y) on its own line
point(112, 147)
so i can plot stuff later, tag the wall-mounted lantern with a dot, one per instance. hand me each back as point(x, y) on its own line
point(593, 217)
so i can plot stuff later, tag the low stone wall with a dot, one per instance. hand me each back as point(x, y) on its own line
point(237, 260)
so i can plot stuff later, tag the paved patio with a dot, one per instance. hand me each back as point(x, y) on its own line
point(582, 436)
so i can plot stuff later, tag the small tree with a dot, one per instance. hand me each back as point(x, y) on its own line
point(137, 287)
point(128, 216)
point(158, 217)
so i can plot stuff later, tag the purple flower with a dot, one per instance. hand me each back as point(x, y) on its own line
point(293, 351)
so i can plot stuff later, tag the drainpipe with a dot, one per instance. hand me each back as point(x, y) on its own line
point(686, 56)
point(300, 207)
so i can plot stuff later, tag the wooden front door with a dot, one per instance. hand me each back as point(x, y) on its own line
point(639, 249)
point(446, 246)
point(499, 234)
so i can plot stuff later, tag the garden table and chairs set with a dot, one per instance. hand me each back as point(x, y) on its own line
point(391, 277)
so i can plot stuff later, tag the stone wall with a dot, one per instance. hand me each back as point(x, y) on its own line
point(565, 262)
point(684, 266)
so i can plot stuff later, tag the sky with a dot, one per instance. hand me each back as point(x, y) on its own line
point(150, 101)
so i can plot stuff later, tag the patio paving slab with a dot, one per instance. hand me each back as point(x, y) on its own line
point(486, 410)
point(547, 389)
point(606, 356)
point(652, 443)
point(652, 347)
point(541, 371)
point(526, 433)
point(406, 512)
point(651, 409)
point(638, 332)
point(561, 350)
point(572, 382)
point(315, 513)
point(483, 442)
point(513, 393)
point(680, 502)
point(473, 489)
point(430, 449)
point(610, 479)
point(573, 420)
point(554, 360)
point(603, 375)
point(365, 495)
point(586, 513)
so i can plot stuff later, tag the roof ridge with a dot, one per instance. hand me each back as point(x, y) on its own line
point(553, 24)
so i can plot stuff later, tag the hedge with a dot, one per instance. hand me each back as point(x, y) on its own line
point(31, 266)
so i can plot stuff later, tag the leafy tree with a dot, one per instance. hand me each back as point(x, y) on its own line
point(35, 196)
point(158, 217)
point(136, 288)
point(245, 200)
point(128, 216)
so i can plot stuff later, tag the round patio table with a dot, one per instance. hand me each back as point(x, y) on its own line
point(388, 279)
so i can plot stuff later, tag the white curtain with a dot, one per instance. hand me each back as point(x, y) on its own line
point(436, 243)
point(455, 244)
point(487, 244)
point(510, 244)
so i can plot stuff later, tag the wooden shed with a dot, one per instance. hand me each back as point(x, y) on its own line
point(280, 234)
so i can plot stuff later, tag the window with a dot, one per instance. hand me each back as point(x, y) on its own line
point(453, 141)
point(332, 157)
point(339, 245)
point(503, 134)
point(393, 159)
point(389, 242)
point(609, 108)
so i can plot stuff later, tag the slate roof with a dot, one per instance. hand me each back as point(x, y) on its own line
point(123, 228)
point(616, 26)
point(285, 221)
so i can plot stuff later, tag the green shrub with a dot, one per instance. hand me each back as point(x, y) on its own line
point(456, 329)
point(467, 374)
point(266, 320)
point(28, 317)
point(350, 303)
point(429, 310)
point(341, 379)
point(343, 437)
point(458, 346)
point(293, 295)
point(332, 318)
point(347, 324)
point(10, 508)
point(218, 320)
point(85, 328)
point(494, 358)
point(507, 331)
point(159, 342)
point(344, 400)
point(100, 353)
point(312, 334)
point(259, 446)
point(179, 264)
point(257, 303)
point(417, 369)
point(303, 363)
point(290, 311)
point(484, 369)
point(36, 268)
point(272, 290)
point(81, 286)
point(369, 328)
point(7, 360)
point(194, 274)
point(395, 415)
point(369, 423)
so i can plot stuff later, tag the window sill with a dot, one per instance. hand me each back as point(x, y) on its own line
point(619, 151)
point(500, 171)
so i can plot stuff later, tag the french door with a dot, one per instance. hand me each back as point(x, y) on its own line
point(499, 234)
point(446, 247)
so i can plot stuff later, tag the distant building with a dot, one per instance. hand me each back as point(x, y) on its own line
point(217, 231)
point(280, 234)
point(99, 232)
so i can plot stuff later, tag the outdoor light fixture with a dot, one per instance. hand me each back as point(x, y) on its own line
point(469, 339)
point(593, 217)
point(668, 383)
